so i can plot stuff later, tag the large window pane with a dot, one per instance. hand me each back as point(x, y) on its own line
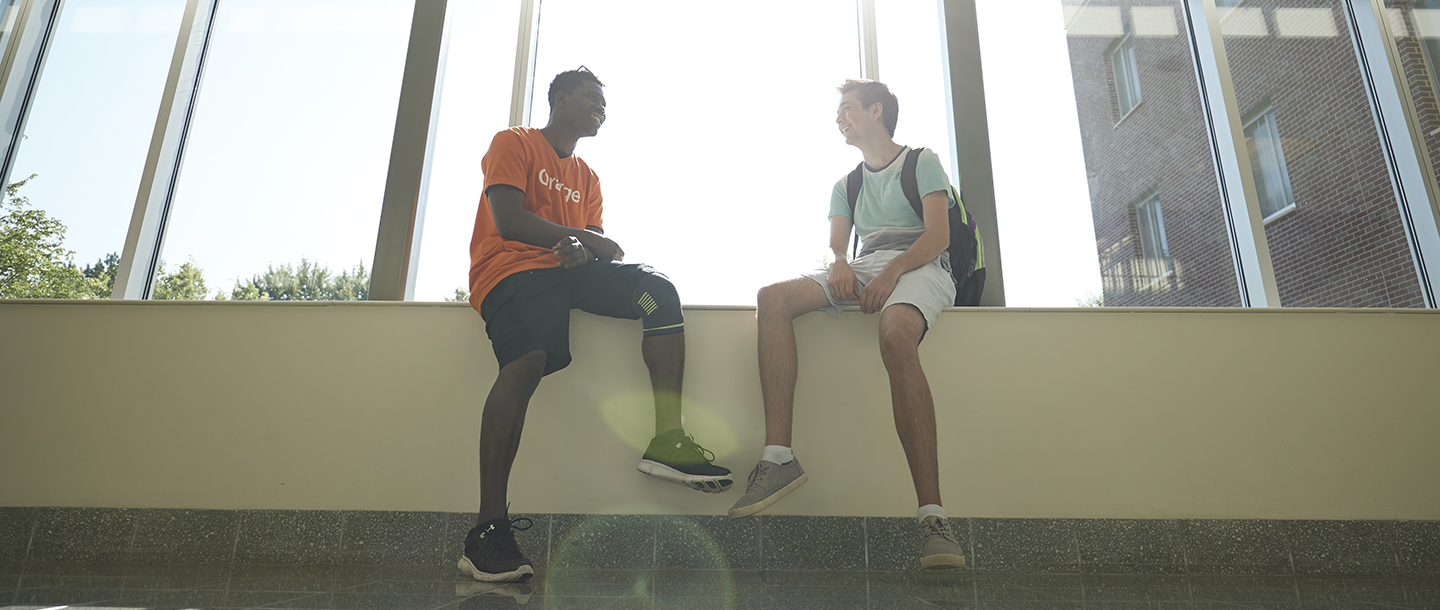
point(474, 104)
point(908, 34)
point(719, 150)
point(285, 167)
point(85, 143)
point(1158, 222)
point(1342, 244)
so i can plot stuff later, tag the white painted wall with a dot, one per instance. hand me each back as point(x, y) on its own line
point(1318, 414)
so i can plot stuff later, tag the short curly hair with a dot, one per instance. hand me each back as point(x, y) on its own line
point(566, 81)
point(875, 92)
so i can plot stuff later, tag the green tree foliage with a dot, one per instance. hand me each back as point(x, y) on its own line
point(104, 272)
point(1091, 300)
point(461, 295)
point(186, 284)
point(34, 263)
point(305, 282)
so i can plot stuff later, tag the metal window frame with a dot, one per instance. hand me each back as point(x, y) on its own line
point(869, 40)
point(398, 237)
point(412, 151)
point(969, 131)
point(1157, 263)
point(21, 65)
point(1392, 106)
point(1254, 271)
point(526, 45)
point(1266, 115)
point(1128, 66)
point(140, 259)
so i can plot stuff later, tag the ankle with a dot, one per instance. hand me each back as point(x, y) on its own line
point(487, 516)
point(931, 510)
point(778, 454)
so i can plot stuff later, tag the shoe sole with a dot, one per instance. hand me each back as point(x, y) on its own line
point(709, 485)
point(768, 501)
point(520, 574)
point(941, 561)
point(517, 591)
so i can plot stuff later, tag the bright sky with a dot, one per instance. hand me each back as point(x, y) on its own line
point(717, 162)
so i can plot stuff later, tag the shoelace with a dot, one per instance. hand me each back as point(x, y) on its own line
point(758, 472)
point(505, 546)
point(688, 445)
point(938, 527)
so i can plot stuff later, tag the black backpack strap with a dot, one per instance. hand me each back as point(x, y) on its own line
point(909, 184)
point(853, 182)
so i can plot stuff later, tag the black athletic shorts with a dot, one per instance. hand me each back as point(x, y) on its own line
point(530, 310)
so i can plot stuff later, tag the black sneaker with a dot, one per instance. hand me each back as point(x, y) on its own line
point(674, 456)
point(491, 554)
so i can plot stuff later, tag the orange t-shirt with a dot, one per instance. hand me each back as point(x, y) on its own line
point(563, 191)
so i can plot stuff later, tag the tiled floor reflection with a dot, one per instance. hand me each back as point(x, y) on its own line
point(38, 585)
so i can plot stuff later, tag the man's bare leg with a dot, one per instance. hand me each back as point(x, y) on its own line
point(665, 357)
point(777, 306)
point(500, 427)
point(901, 327)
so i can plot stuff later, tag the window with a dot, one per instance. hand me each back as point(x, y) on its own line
point(1267, 161)
point(1331, 153)
point(286, 161)
point(1127, 76)
point(722, 190)
point(1155, 260)
point(85, 144)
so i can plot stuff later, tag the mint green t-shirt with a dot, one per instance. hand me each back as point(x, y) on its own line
point(882, 203)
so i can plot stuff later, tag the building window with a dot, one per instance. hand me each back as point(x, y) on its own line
point(1127, 77)
point(1267, 161)
point(1155, 260)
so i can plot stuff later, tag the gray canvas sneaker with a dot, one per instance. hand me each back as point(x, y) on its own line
point(938, 548)
point(768, 483)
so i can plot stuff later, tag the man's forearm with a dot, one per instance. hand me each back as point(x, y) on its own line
point(525, 227)
point(924, 250)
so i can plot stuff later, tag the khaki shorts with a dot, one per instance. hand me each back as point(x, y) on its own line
point(929, 287)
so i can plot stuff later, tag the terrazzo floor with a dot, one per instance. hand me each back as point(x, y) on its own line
point(54, 585)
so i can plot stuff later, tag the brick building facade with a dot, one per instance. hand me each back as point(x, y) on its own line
point(1159, 226)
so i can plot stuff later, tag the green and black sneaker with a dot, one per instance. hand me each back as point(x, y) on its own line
point(674, 456)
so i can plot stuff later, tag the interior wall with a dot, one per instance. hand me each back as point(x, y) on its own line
point(1295, 414)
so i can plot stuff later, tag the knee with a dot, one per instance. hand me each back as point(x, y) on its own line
point(898, 344)
point(900, 337)
point(773, 302)
point(657, 303)
point(525, 370)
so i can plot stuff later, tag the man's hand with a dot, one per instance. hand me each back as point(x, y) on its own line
point(873, 297)
point(603, 247)
point(843, 285)
point(572, 253)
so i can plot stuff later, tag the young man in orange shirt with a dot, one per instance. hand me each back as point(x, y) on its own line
point(538, 251)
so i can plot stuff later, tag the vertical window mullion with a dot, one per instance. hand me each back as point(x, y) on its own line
point(141, 256)
point(1251, 251)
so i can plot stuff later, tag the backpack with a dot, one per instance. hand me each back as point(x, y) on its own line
point(967, 248)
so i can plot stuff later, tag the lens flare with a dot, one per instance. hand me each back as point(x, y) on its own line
point(618, 541)
point(631, 417)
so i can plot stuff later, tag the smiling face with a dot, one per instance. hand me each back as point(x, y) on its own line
point(855, 121)
point(583, 108)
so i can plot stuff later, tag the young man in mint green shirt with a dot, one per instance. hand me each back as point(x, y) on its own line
point(902, 273)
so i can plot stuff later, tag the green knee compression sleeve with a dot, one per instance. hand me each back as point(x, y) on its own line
point(658, 305)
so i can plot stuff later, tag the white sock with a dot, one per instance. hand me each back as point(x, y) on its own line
point(778, 454)
point(931, 510)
